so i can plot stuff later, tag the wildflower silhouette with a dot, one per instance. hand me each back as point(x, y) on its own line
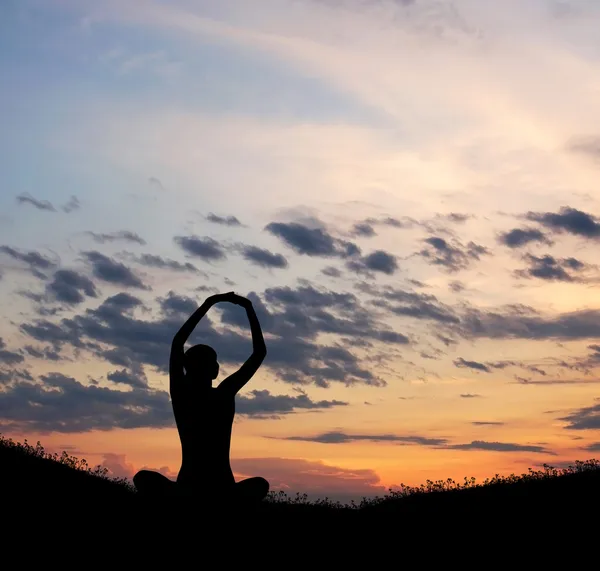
point(204, 416)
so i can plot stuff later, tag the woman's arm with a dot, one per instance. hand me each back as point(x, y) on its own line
point(237, 380)
point(176, 358)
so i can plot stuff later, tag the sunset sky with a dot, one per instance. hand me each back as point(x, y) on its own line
point(407, 190)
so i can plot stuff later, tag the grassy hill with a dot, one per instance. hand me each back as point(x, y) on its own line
point(63, 495)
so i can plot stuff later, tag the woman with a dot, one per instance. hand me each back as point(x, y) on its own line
point(204, 415)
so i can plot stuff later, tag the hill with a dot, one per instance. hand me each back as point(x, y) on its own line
point(63, 495)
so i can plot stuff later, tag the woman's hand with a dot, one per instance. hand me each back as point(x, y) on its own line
point(240, 300)
point(231, 297)
point(219, 297)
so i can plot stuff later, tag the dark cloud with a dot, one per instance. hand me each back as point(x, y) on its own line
point(594, 447)
point(469, 396)
point(519, 237)
point(312, 241)
point(39, 204)
point(568, 220)
point(294, 321)
point(457, 217)
point(263, 258)
point(453, 257)
point(377, 261)
point(525, 381)
point(111, 271)
point(177, 306)
point(410, 304)
point(331, 271)
point(460, 362)
point(9, 357)
point(551, 269)
point(132, 378)
point(72, 204)
point(12, 374)
point(36, 261)
point(121, 235)
point(589, 146)
point(44, 353)
point(69, 287)
point(587, 418)
point(405, 222)
point(456, 286)
point(343, 438)
point(154, 261)
point(520, 322)
point(262, 404)
point(206, 248)
point(59, 403)
point(487, 423)
point(307, 311)
point(499, 447)
point(223, 220)
point(363, 229)
point(520, 364)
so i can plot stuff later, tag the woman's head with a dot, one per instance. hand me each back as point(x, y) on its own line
point(201, 361)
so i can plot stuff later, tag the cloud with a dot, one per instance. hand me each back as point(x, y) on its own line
point(377, 261)
point(460, 362)
point(179, 306)
point(318, 310)
point(121, 235)
point(335, 437)
point(111, 332)
point(594, 447)
point(519, 237)
point(453, 257)
point(521, 322)
point(363, 229)
point(262, 404)
point(44, 353)
point(311, 477)
point(588, 146)
point(59, 403)
point(331, 271)
point(410, 304)
point(499, 447)
point(206, 248)
point(72, 205)
point(456, 286)
point(587, 418)
point(263, 258)
point(312, 241)
point(36, 261)
point(469, 396)
point(568, 220)
point(154, 261)
point(156, 183)
point(223, 220)
point(69, 286)
point(9, 357)
point(111, 271)
point(457, 217)
point(552, 269)
point(486, 423)
point(132, 378)
point(39, 204)
point(118, 467)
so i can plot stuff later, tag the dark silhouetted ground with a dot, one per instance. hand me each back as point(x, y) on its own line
point(62, 500)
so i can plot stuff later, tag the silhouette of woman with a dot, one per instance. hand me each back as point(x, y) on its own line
point(204, 416)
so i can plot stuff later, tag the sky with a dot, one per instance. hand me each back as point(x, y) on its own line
point(407, 191)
